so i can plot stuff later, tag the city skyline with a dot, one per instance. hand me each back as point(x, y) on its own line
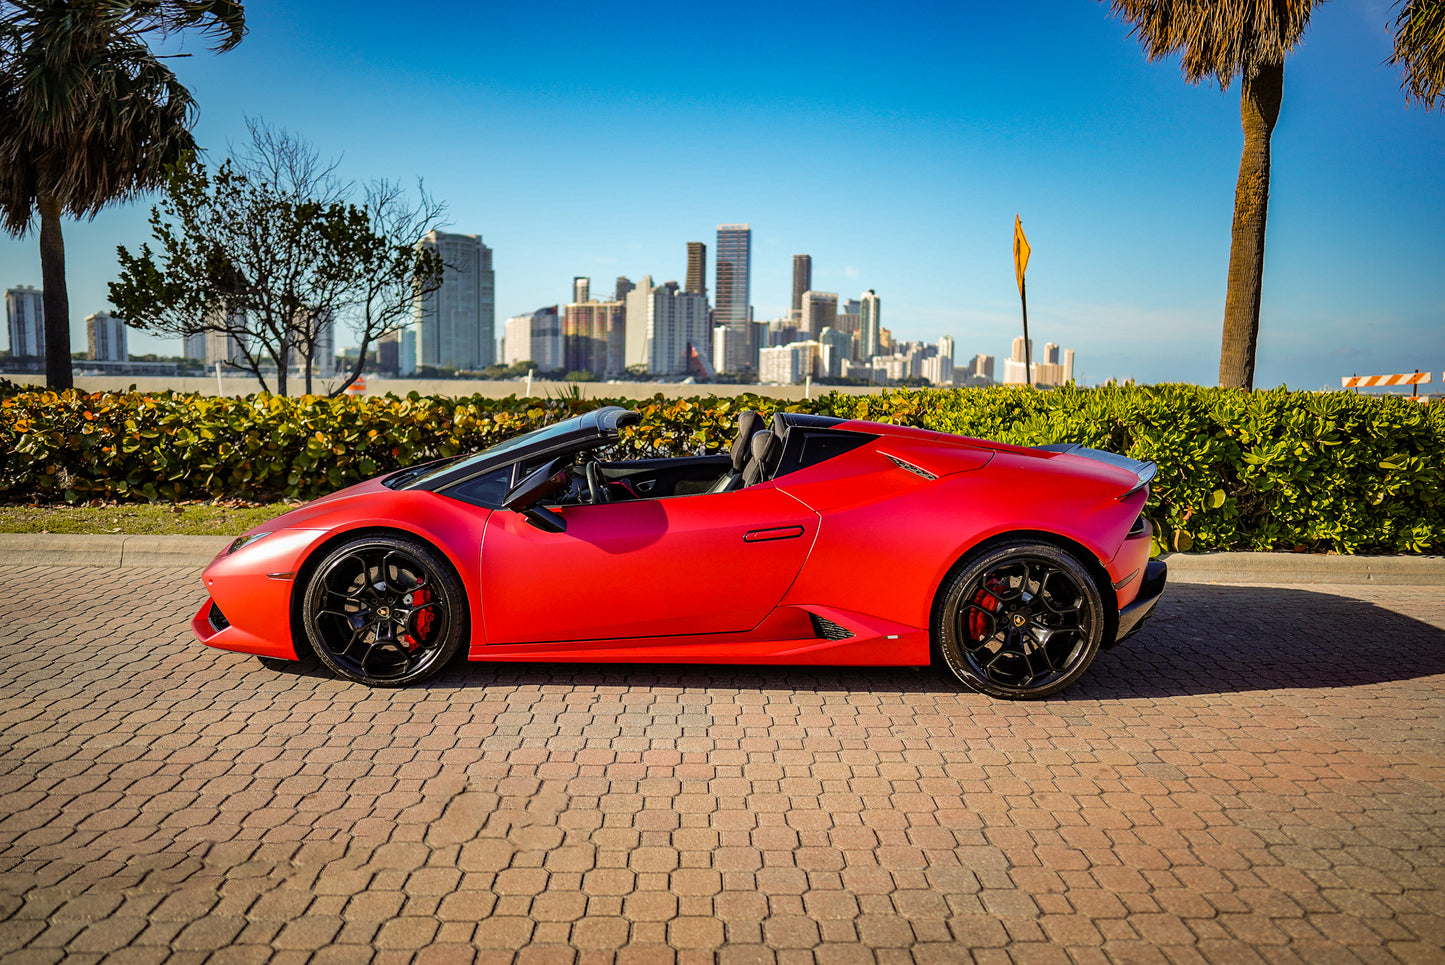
point(1123, 174)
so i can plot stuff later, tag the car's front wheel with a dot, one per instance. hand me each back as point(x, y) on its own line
point(1022, 620)
point(384, 611)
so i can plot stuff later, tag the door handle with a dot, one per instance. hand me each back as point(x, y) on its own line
point(776, 532)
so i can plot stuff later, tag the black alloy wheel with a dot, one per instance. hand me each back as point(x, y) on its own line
point(1023, 620)
point(384, 611)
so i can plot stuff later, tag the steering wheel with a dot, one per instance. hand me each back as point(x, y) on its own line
point(596, 485)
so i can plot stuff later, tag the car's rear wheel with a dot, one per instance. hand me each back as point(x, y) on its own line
point(1022, 620)
point(384, 611)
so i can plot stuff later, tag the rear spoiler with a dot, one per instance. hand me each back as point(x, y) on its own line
point(1143, 471)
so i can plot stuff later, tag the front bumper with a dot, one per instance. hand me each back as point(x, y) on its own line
point(1133, 616)
point(249, 610)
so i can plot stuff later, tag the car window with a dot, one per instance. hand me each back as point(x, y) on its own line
point(488, 489)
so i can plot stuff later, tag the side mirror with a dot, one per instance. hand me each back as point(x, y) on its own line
point(526, 497)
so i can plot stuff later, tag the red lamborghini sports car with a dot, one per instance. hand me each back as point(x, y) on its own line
point(814, 541)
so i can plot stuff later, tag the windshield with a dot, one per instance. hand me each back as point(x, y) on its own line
point(410, 479)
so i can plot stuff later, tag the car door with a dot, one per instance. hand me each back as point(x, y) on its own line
point(709, 563)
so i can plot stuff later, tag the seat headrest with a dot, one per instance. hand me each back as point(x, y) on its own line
point(780, 427)
point(748, 425)
point(762, 443)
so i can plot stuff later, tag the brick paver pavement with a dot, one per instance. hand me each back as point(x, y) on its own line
point(1257, 777)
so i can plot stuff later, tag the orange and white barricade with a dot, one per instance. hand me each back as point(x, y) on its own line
point(1413, 379)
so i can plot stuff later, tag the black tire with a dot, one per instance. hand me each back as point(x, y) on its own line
point(384, 611)
point(1022, 620)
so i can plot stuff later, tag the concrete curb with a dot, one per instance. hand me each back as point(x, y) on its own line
point(58, 549)
point(1305, 568)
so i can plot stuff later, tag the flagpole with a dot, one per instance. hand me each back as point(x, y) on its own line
point(1028, 359)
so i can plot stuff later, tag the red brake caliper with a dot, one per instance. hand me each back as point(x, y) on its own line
point(977, 623)
point(424, 619)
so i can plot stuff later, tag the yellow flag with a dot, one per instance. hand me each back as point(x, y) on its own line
point(1021, 252)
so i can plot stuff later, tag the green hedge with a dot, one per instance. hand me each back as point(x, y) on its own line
point(1264, 470)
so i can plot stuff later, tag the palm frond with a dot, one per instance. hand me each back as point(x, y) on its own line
point(1420, 49)
point(1217, 40)
point(88, 114)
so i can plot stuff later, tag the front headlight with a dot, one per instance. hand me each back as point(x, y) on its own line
point(247, 540)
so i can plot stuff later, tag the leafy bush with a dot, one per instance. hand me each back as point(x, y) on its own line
point(1264, 470)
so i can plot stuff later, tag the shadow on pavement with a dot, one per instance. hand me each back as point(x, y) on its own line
point(1204, 639)
point(1211, 639)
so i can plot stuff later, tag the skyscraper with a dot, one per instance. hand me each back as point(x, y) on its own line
point(802, 281)
point(732, 293)
point(870, 325)
point(457, 321)
point(221, 343)
point(819, 310)
point(581, 289)
point(666, 327)
point(25, 315)
point(696, 268)
point(624, 285)
point(105, 337)
point(535, 337)
point(592, 338)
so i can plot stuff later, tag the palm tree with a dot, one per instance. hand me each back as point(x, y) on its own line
point(1220, 40)
point(1420, 47)
point(89, 115)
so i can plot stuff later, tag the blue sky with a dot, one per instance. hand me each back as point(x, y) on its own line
point(894, 142)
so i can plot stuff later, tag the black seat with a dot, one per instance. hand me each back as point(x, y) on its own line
point(749, 424)
point(767, 452)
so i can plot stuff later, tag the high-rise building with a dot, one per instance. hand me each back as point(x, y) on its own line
point(638, 306)
point(802, 281)
point(457, 322)
point(323, 345)
point(730, 343)
point(819, 311)
point(535, 337)
point(789, 364)
point(938, 367)
point(1016, 368)
point(581, 289)
point(836, 348)
point(667, 329)
point(25, 317)
point(105, 338)
point(732, 294)
point(1068, 365)
point(870, 325)
point(593, 338)
point(697, 268)
point(980, 367)
point(624, 285)
point(781, 331)
point(1051, 353)
point(224, 343)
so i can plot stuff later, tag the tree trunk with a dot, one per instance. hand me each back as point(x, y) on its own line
point(1258, 110)
point(58, 375)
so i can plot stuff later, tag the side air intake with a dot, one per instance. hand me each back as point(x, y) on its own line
point(828, 630)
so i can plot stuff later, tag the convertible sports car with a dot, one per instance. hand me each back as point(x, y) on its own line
point(814, 541)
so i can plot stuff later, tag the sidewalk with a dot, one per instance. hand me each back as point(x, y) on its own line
point(27, 549)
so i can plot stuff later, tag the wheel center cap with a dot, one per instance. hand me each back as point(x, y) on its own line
point(383, 611)
point(1019, 620)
